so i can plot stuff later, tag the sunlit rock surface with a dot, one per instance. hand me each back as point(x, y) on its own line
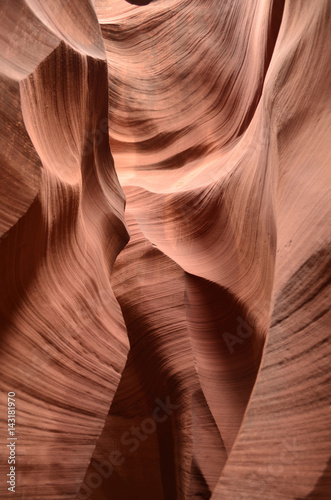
point(165, 248)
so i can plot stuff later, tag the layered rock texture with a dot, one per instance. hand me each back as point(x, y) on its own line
point(165, 249)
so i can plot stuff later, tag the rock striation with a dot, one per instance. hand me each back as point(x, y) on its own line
point(165, 248)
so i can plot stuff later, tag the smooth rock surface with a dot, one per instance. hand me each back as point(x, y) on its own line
point(165, 248)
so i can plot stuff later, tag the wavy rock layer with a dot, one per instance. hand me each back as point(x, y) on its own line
point(64, 342)
point(192, 361)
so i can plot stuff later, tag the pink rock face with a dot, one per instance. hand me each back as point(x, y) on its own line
point(165, 249)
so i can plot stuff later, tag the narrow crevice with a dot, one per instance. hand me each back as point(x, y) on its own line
point(276, 17)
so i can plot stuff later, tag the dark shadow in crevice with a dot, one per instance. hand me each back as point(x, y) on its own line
point(139, 2)
point(198, 486)
point(274, 27)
